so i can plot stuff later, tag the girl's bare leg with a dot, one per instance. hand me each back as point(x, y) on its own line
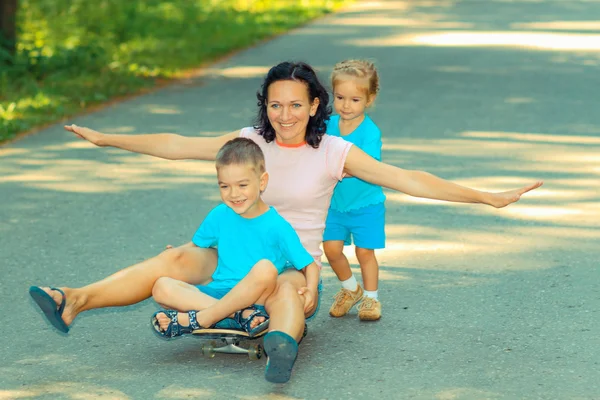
point(134, 284)
point(334, 250)
point(369, 268)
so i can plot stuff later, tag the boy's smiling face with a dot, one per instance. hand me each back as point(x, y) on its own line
point(240, 186)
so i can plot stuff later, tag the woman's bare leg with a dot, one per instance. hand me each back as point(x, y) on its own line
point(131, 285)
point(286, 307)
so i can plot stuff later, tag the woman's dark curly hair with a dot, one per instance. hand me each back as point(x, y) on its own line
point(299, 72)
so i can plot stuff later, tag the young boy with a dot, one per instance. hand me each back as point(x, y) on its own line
point(255, 244)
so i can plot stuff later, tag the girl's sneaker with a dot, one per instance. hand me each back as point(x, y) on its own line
point(344, 300)
point(369, 309)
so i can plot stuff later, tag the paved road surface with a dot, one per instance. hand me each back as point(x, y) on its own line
point(478, 303)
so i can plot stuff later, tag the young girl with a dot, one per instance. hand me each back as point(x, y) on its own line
point(357, 208)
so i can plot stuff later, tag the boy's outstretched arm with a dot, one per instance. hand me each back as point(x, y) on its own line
point(424, 184)
point(163, 145)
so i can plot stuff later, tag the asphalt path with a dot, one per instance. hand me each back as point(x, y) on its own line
point(478, 303)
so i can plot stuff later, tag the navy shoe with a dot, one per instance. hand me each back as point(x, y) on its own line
point(282, 351)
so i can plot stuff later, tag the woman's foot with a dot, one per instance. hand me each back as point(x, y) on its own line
point(70, 308)
point(282, 351)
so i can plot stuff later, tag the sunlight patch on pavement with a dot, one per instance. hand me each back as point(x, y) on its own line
point(5, 152)
point(385, 273)
point(534, 137)
point(268, 396)
point(249, 71)
point(559, 25)
point(465, 393)
point(163, 110)
point(177, 392)
point(123, 172)
point(386, 20)
point(525, 40)
point(48, 359)
point(483, 248)
point(65, 390)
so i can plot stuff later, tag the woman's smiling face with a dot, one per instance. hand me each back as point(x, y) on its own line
point(289, 109)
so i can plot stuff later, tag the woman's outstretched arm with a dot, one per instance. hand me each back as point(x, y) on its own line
point(162, 145)
point(424, 184)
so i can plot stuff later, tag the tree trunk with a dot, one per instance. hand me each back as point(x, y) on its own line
point(8, 28)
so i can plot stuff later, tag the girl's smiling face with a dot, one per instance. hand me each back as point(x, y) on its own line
point(351, 97)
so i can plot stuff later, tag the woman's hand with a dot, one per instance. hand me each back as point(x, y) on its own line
point(502, 199)
point(310, 299)
point(88, 134)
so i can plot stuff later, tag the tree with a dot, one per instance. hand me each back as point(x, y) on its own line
point(8, 30)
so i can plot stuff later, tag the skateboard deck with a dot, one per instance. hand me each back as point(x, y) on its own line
point(230, 341)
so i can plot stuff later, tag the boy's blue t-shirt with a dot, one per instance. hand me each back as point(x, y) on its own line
point(354, 193)
point(242, 242)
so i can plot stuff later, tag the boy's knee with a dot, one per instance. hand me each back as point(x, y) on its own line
point(266, 268)
point(162, 289)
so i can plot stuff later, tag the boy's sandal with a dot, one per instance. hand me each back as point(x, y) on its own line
point(51, 309)
point(174, 329)
point(257, 311)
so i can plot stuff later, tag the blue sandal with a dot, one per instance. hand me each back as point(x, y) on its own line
point(258, 310)
point(175, 329)
point(47, 304)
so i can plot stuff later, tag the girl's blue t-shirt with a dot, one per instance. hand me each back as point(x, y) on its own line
point(242, 242)
point(353, 193)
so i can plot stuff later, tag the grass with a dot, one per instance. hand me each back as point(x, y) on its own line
point(72, 54)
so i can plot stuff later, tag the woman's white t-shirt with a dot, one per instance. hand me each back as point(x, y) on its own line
point(301, 183)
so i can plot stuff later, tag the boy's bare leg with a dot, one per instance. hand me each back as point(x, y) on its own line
point(334, 250)
point(172, 294)
point(255, 288)
point(131, 285)
point(286, 307)
point(369, 268)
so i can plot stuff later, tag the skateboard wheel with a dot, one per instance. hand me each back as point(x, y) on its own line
point(208, 350)
point(255, 352)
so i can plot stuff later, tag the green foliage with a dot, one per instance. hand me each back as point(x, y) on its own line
point(74, 53)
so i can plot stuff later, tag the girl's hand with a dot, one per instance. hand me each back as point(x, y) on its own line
point(90, 135)
point(502, 199)
point(310, 299)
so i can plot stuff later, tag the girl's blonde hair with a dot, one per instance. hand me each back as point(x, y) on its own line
point(362, 69)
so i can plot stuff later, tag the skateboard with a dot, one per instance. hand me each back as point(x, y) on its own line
point(231, 341)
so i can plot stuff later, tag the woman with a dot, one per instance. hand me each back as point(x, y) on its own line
point(304, 165)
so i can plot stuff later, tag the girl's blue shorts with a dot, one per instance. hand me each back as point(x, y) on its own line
point(365, 227)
